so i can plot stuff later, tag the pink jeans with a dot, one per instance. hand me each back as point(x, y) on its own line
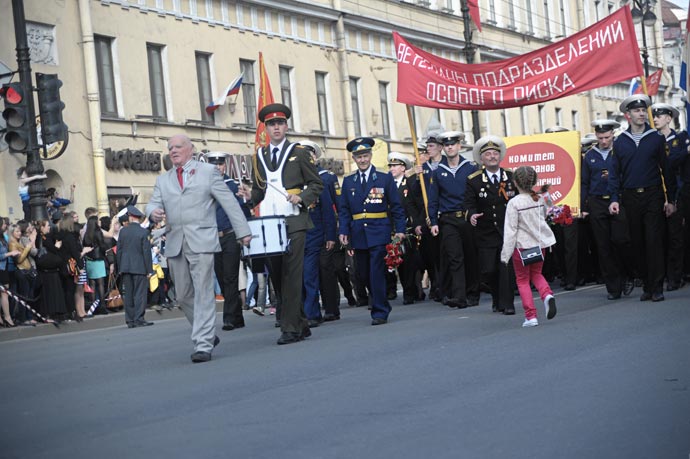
point(523, 276)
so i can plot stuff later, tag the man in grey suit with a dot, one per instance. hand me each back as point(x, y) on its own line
point(136, 266)
point(186, 197)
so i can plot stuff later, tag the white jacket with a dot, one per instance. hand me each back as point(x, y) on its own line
point(525, 226)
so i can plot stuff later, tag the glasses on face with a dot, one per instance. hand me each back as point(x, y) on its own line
point(276, 122)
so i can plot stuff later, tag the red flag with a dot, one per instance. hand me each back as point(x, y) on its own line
point(605, 53)
point(474, 13)
point(265, 98)
point(652, 84)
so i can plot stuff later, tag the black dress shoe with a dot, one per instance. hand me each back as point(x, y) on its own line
point(391, 295)
point(216, 341)
point(378, 321)
point(277, 324)
point(613, 296)
point(331, 317)
point(363, 302)
point(289, 338)
point(569, 287)
point(455, 303)
point(509, 311)
point(228, 327)
point(306, 332)
point(408, 300)
point(313, 323)
point(657, 297)
point(144, 323)
point(472, 301)
point(201, 356)
point(646, 296)
point(351, 302)
point(671, 286)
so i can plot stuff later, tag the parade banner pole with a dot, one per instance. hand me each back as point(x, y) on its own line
point(419, 162)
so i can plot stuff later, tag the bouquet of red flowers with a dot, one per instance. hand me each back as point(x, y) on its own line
point(560, 215)
point(394, 253)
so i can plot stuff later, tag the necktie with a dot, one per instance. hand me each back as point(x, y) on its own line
point(179, 177)
point(364, 181)
point(274, 158)
point(494, 179)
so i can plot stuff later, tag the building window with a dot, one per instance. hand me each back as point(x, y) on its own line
point(322, 101)
point(506, 123)
point(106, 75)
point(156, 80)
point(354, 97)
point(559, 117)
point(542, 119)
point(528, 14)
point(492, 13)
point(248, 92)
point(576, 120)
point(547, 20)
point(203, 76)
point(383, 99)
point(511, 15)
point(525, 120)
point(286, 90)
point(564, 31)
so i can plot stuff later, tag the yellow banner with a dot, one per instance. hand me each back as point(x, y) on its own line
point(556, 158)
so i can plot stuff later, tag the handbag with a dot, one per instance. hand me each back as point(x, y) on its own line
point(114, 293)
point(531, 255)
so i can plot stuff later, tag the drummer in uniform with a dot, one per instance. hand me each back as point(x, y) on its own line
point(226, 263)
point(320, 237)
point(609, 231)
point(486, 198)
point(369, 210)
point(286, 183)
point(411, 200)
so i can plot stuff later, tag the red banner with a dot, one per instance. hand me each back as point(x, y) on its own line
point(604, 53)
point(652, 84)
point(265, 98)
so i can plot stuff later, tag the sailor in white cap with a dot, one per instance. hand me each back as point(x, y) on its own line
point(642, 180)
point(486, 198)
point(594, 202)
point(448, 217)
point(411, 200)
point(677, 143)
point(555, 129)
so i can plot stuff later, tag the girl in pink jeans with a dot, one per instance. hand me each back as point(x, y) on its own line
point(525, 227)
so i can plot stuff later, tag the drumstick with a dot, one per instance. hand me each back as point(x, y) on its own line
point(281, 191)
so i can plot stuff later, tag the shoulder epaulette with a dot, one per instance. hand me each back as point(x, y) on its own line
point(475, 174)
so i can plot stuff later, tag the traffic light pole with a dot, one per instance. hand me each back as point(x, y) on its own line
point(34, 165)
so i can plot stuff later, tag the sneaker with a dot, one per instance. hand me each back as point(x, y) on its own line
point(258, 310)
point(530, 323)
point(272, 311)
point(550, 306)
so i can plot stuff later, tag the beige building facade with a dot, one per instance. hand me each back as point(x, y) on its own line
point(137, 72)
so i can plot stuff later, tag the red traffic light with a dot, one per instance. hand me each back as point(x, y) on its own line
point(13, 96)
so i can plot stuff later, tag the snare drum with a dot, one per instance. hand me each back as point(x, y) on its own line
point(269, 237)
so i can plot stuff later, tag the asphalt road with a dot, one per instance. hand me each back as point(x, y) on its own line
point(602, 380)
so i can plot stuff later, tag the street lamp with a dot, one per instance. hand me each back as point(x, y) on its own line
point(642, 11)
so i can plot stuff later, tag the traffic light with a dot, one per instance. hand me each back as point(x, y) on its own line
point(53, 129)
point(16, 117)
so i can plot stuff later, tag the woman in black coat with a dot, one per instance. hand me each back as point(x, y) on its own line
point(49, 265)
point(72, 254)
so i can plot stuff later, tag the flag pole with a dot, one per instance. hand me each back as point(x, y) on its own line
point(419, 161)
point(649, 107)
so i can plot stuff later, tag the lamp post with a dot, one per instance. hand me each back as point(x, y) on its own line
point(469, 57)
point(642, 11)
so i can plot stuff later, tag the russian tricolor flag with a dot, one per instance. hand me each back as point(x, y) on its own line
point(232, 89)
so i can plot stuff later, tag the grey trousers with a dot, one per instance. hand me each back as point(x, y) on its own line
point(192, 274)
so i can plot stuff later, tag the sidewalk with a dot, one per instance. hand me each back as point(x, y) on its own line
point(113, 319)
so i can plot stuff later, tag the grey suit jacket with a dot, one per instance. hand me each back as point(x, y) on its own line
point(191, 212)
point(134, 250)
